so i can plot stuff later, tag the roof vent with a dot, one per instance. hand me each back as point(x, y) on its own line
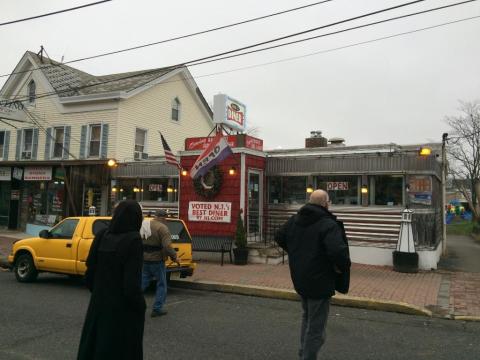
point(336, 141)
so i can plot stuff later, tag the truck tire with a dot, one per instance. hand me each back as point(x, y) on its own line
point(24, 269)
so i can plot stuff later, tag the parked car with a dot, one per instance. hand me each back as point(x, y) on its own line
point(64, 249)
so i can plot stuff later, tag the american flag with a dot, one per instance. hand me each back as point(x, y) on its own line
point(171, 159)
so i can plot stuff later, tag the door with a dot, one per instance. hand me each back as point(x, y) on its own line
point(4, 202)
point(57, 252)
point(255, 205)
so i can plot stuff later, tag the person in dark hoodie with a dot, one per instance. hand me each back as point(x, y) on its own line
point(114, 323)
point(319, 261)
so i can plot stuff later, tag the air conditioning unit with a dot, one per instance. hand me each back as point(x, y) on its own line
point(138, 155)
point(26, 155)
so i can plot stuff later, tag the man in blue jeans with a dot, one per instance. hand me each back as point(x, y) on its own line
point(157, 247)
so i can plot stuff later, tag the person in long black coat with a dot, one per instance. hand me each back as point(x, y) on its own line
point(114, 323)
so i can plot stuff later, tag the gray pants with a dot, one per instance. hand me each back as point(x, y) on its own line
point(314, 324)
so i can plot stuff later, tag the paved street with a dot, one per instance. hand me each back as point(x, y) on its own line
point(43, 321)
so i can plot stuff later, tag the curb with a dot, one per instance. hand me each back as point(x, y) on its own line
point(282, 294)
point(466, 318)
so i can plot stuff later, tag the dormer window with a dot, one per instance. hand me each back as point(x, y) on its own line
point(176, 109)
point(32, 88)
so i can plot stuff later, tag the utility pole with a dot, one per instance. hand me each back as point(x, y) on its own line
point(444, 195)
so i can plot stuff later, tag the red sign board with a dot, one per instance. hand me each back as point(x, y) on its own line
point(234, 141)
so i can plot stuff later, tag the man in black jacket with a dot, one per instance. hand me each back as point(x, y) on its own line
point(319, 263)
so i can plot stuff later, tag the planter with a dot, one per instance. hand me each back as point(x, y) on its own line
point(240, 256)
point(405, 262)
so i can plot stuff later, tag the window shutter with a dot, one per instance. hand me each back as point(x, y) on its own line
point(19, 145)
point(6, 145)
point(66, 142)
point(83, 142)
point(35, 144)
point(48, 142)
point(104, 142)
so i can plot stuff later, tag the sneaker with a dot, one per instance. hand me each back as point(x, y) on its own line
point(160, 312)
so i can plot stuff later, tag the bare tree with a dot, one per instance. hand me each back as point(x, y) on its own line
point(464, 152)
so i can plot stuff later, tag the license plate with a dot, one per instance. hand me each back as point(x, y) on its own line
point(175, 275)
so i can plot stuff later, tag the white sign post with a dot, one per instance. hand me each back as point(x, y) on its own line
point(210, 211)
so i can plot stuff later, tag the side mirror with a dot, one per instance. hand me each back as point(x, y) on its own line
point(44, 234)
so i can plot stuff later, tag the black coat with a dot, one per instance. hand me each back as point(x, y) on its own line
point(114, 323)
point(316, 243)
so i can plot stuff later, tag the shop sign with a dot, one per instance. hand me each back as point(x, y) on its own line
point(210, 211)
point(5, 173)
point(337, 185)
point(234, 141)
point(155, 187)
point(17, 173)
point(229, 111)
point(201, 143)
point(38, 173)
point(420, 190)
point(253, 143)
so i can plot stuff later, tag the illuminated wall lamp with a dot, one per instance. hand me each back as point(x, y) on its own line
point(232, 171)
point(364, 189)
point(136, 189)
point(169, 189)
point(184, 172)
point(112, 163)
point(114, 189)
point(425, 151)
point(309, 189)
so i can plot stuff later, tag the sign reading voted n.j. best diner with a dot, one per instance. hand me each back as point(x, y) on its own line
point(230, 112)
point(210, 211)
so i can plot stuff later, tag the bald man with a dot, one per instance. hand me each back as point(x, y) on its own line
point(319, 263)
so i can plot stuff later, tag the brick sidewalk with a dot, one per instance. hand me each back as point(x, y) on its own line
point(373, 282)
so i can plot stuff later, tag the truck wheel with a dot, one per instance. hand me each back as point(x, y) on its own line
point(24, 269)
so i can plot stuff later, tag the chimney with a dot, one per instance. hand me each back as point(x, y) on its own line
point(336, 141)
point(315, 140)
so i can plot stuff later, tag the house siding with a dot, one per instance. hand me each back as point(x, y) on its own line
point(151, 110)
point(48, 115)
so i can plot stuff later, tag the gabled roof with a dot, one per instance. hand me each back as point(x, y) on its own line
point(68, 81)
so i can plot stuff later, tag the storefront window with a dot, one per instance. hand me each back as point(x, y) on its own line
point(162, 189)
point(287, 190)
point(342, 189)
point(386, 190)
point(42, 202)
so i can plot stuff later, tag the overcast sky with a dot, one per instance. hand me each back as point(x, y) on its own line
point(395, 90)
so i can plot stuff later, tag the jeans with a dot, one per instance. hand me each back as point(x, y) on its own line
point(156, 270)
point(314, 324)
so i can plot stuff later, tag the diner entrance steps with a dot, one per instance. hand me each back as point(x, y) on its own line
point(261, 253)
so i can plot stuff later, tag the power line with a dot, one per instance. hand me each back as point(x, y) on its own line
point(184, 36)
point(212, 57)
point(310, 54)
point(207, 60)
point(54, 13)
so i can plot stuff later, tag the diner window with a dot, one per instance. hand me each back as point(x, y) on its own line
point(386, 190)
point(32, 89)
point(176, 109)
point(287, 189)
point(2, 143)
point(342, 189)
point(58, 139)
point(27, 144)
point(140, 140)
point(95, 135)
point(160, 189)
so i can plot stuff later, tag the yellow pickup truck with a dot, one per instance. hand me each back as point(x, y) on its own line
point(64, 249)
